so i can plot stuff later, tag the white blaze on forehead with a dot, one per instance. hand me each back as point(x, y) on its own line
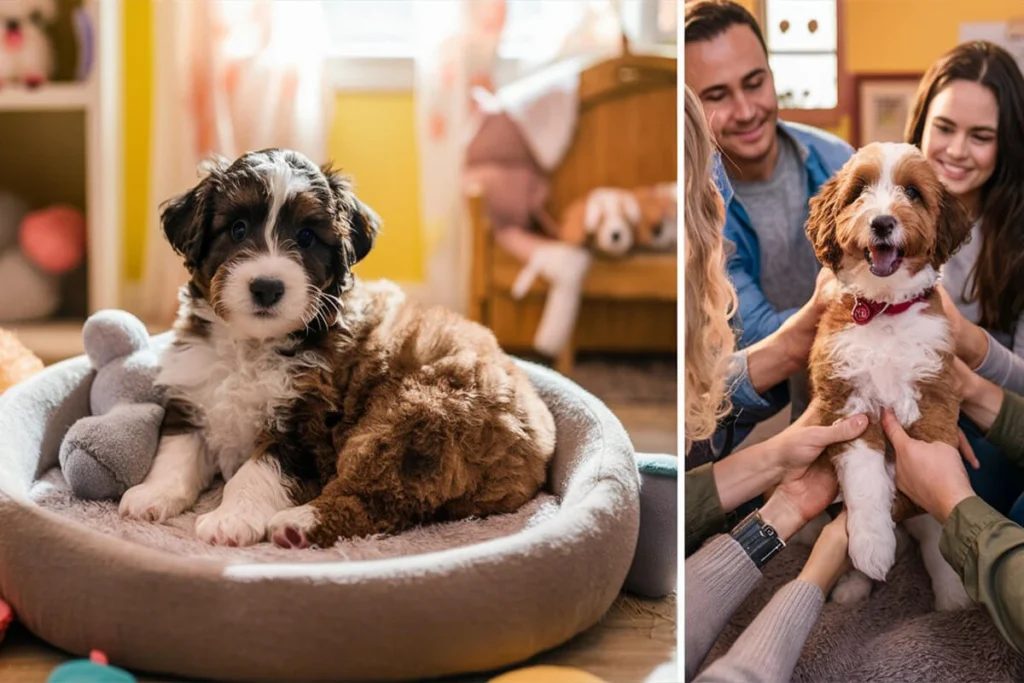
point(283, 182)
point(883, 194)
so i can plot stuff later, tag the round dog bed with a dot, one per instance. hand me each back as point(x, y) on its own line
point(82, 583)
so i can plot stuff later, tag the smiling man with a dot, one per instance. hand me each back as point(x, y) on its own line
point(767, 171)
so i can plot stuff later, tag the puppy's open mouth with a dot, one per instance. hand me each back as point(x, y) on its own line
point(884, 259)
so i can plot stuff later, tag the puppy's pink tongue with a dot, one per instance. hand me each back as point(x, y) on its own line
point(884, 260)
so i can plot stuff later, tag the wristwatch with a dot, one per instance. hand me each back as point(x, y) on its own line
point(758, 538)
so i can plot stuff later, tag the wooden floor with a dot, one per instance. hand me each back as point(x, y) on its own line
point(634, 643)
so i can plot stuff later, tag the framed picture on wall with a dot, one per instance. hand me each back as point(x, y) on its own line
point(882, 106)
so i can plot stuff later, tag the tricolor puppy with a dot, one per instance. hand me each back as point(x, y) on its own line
point(885, 225)
point(331, 407)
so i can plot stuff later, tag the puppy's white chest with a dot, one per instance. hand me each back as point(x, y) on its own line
point(885, 360)
point(239, 388)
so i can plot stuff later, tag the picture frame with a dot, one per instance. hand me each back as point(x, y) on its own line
point(882, 105)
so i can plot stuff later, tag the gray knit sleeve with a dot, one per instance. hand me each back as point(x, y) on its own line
point(718, 578)
point(767, 651)
point(1003, 366)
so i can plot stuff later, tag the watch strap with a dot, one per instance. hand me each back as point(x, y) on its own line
point(757, 538)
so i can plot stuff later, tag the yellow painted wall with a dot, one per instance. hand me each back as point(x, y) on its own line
point(901, 36)
point(372, 138)
point(138, 69)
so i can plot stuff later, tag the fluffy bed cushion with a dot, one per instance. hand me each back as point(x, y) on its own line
point(460, 597)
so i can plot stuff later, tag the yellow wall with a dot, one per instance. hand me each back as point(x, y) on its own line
point(906, 36)
point(138, 63)
point(372, 138)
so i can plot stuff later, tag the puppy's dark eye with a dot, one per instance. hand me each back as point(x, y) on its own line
point(238, 230)
point(913, 194)
point(305, 238)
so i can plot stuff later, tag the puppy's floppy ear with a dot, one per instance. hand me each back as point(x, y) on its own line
point(182, 217)
point(365, 227)
point(821, 223)
point(952, 230)
point(363, 222)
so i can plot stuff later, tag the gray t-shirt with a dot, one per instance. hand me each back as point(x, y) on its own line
point(778, 210)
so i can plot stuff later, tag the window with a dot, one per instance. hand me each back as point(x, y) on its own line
point(803, 51)
point(373, 42)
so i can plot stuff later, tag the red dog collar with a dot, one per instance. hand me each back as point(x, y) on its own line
point(865, 310)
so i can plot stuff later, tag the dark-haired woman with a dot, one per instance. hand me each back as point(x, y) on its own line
point(968, 120)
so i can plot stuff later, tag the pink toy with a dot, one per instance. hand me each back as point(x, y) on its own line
point(6, 617)
point(54, 238)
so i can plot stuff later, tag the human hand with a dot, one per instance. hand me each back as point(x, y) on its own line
point(800, 444)
point(970, 342)
point(829, 558)
point(785, 351)
point(808, 482)
point(930, 474)
point(980, 399)
point(800, 328)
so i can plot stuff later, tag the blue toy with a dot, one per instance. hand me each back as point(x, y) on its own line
point(92, 670)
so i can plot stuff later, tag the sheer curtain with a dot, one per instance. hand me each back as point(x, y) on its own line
point(229, 76)
point(460, 46)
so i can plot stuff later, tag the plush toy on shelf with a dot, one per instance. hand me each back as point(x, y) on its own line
point(26, 55)
point(36, 249)
point(656, 230)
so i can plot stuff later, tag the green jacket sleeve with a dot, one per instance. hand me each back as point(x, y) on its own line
point(704, 514)
point(1007, 432)
point(987, 550)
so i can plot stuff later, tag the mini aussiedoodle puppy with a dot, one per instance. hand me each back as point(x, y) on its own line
point(332, 407)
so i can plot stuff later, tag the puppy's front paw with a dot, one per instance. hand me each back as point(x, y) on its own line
point(153, 503)
point(232, 527)
point(853, 586)
point(293, 527)
point(872, 545)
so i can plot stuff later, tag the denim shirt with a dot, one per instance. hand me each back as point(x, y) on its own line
point(823, 154)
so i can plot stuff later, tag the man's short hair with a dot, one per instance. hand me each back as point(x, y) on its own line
point(708, 19)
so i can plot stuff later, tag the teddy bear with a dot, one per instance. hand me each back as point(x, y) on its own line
point(26, 55)
point(112, 449)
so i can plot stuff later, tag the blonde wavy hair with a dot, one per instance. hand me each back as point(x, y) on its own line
point(710, 297)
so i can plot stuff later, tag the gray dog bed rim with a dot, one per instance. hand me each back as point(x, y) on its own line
point(467, 609)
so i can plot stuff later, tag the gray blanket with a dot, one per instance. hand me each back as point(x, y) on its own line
point(894, 636)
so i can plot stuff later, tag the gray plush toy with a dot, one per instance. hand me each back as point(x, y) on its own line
point(110, 451)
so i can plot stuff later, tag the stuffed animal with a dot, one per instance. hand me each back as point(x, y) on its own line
point(110, 451)
point(656, 230)
point(26, 55)
point(36, 249)
point(604, 219)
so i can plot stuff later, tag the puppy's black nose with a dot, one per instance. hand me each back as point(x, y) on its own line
point(266, 291)
point(13, 25)
point(882, 226)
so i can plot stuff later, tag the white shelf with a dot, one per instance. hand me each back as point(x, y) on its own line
point(49, 97)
